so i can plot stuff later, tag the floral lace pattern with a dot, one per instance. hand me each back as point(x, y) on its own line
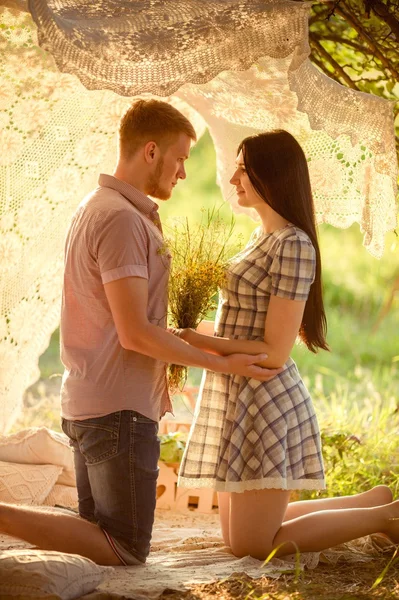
point(158, 45)
point(353, 169)
point(56, 134)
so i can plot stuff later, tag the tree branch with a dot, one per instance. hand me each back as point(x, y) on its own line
point(340, 40)
point(384, 13)
point(331, 12)
point(357, 26)
point(323, 68)
point(337, 67)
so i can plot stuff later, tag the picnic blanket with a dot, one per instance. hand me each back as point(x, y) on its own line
point(187, 549)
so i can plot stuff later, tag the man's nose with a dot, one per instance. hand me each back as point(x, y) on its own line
point(182, 173)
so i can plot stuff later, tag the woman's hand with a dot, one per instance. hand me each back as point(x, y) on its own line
point(186, 334)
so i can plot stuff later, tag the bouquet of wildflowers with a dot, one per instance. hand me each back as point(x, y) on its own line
point(200, 255)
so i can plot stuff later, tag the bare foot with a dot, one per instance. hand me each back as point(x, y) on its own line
point(379, 495)
point(392, 529)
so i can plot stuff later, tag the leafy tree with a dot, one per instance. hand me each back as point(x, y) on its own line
point(356, 43)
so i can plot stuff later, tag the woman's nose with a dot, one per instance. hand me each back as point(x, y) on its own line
point(234, 178)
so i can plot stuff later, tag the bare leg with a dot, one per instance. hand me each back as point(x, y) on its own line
point(262, 512)
point(56, 531)
point(377, 496)
point(224, 514)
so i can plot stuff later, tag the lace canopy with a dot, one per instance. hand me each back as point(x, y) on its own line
point(69, 68)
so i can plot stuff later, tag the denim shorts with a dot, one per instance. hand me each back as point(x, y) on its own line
point(116, 463)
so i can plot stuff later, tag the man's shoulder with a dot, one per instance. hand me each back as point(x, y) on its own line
point(103, 199)
point(108, 204)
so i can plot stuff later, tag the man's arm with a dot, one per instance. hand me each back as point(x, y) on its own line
point(128, 300)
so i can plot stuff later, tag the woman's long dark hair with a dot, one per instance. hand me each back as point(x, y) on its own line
point(278, 170)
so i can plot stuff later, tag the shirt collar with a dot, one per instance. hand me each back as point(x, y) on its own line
point(142, 202)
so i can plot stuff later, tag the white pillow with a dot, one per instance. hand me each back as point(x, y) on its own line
point(43, 573)
point(62, 495)
point(40, 446)
point(26, 484)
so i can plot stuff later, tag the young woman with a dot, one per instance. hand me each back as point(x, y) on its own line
point(254, 442)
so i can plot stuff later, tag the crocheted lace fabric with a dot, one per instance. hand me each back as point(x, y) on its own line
point(235, 67)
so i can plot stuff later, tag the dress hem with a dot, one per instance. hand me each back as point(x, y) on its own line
point(254, 484)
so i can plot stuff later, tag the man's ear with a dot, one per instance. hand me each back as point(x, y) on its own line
point(150, 152)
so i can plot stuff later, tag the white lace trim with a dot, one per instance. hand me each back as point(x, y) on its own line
point(255, 484)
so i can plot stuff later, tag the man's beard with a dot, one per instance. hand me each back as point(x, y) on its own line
point(154, 187)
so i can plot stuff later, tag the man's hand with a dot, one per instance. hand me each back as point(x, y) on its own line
point(128, 300)
point(246, 365)
point(240, 363)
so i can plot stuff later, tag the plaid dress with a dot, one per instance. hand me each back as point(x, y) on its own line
point(248, 434)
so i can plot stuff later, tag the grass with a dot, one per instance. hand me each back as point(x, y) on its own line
point(359, 420)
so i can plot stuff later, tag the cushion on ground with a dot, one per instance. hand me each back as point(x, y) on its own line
point(62, 495)
point(44, 574)
point(40, 446)
point(27, 484)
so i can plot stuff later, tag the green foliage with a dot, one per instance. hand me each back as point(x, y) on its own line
point(394, 560)
point(50, 363)
point(200, 255)
point(359, 420)
point(361, 45)
point(172, 446)
point(356, 43)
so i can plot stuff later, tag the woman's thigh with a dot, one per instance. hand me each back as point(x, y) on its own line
point(255, 518)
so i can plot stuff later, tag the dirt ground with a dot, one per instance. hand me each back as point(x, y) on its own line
point(326, 582)
point(344, 581)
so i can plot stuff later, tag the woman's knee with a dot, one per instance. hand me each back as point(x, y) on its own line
point(242, 548)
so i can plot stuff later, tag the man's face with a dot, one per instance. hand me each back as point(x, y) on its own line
point(169, 168)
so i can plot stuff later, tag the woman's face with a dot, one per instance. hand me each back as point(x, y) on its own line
point(247, 196)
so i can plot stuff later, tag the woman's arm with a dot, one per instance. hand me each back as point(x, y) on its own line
point(206, 327)
point(281, 329)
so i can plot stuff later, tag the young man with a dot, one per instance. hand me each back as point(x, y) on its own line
point(115, 347)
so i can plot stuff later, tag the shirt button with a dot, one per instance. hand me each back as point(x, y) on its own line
point(134, 418)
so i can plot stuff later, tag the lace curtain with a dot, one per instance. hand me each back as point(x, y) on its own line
point(235, 68)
